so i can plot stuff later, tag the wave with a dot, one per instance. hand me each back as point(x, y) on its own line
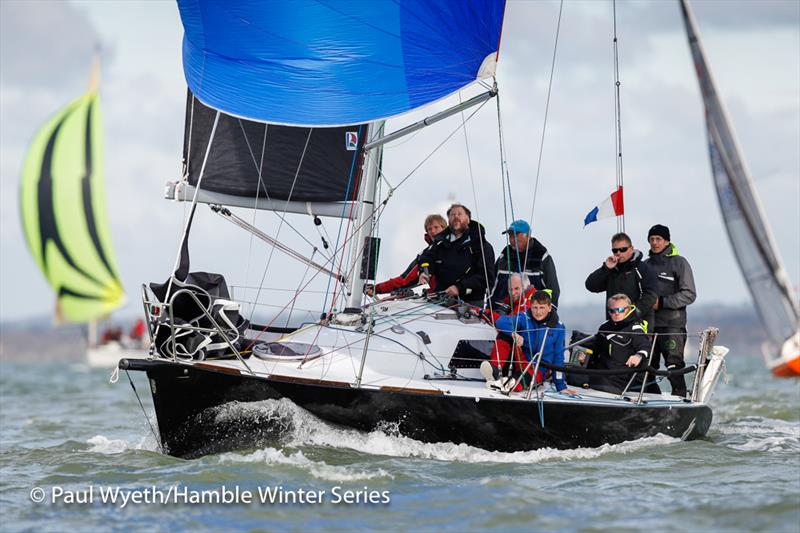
point(104, 445)
point(318, 469)
point(298, 427)
point(756, 433)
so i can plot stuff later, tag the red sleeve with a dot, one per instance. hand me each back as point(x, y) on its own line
point(400, 282)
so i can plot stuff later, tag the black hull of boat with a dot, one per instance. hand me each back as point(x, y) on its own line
point(185, 398)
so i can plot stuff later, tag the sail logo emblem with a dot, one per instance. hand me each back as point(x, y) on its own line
point(351, 140)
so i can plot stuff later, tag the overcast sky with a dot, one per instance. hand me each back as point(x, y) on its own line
point(754, 52)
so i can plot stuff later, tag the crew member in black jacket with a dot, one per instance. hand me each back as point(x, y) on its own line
point(460, 258)
point(624, 272)
point(525, 254)
point(676, 290)
point(619, 343)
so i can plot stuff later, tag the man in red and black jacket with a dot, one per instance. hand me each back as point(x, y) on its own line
point(434, 225)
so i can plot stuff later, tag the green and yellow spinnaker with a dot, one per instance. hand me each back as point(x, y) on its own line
point(62, 197)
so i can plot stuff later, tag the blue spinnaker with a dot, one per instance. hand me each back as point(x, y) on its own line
point(326, 63)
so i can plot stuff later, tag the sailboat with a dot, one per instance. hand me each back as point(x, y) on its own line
point(286, 113)
point(62, 201)
point(748, 229)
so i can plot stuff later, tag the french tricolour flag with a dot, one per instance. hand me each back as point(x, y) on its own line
point(613, 206)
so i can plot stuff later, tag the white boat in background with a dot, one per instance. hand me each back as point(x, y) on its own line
point(108, 355)
point(746, 223)
point(63, 208)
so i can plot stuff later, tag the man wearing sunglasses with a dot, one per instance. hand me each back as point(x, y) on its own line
point(676, 290)
point(623, 272)
point(620, 343)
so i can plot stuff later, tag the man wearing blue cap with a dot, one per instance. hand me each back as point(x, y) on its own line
point(526, 255)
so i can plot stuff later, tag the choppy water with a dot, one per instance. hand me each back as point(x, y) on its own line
point(66, 429)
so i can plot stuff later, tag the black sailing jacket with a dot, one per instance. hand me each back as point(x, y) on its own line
point(632, 278)
point(459, 262)
point(676, 287)
point(539, 267)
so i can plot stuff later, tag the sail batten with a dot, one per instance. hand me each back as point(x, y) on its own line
point(750, 236)
point(63, 212)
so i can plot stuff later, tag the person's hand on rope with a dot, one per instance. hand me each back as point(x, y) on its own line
point(424, 279)
point(518, 340)
point(452, 290)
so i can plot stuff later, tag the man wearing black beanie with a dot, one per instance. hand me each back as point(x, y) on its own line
point(676, 290)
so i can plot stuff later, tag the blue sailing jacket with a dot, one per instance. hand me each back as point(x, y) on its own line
point(533, 334)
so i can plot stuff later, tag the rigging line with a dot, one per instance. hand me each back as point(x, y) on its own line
point(419, 340)
point(355, 170)
point(188, 221)
point(502, 167)
point(345, 243)
point(258, 192)
point(348, 237)
point(189, 142)
point(297, 291)
point(225, 213)
point(373, 130)
point(544, 123)
point(475, 202)
point(376, 214)
point(280, 226)
point(351, 270)
point(505, 176)
point(261, 184)
point(325, 242)
point(505, 180)
point(506, 183)
point(392, 188)
point(378, 333)
point(618, 116)
point(272, 289)
point(144, 412)
point(440, 145)
point(386, 180)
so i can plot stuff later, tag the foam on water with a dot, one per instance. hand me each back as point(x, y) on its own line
point(302, 428)
point(318, 469)
point(104, 445)
point(761, 434)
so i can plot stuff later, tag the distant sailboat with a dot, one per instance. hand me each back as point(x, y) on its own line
point(62, 203)
point(747, 226)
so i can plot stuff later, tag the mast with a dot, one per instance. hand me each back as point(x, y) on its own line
point(366, 218)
